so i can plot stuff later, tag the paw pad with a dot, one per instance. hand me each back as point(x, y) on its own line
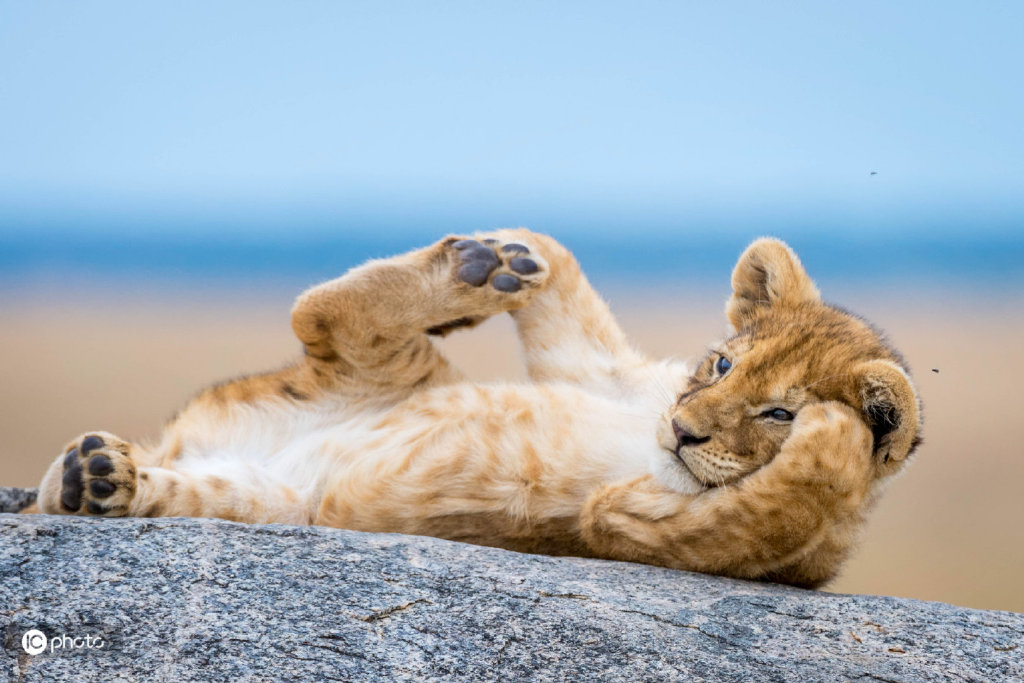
point(101, 488)
point(71, 484)
point(523, 266)
point(100, 465)
point(480, 259)
point(506, 283)
point(96, 470)
point(91, 443)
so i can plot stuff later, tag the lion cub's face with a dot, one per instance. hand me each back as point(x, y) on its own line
point(790, 350)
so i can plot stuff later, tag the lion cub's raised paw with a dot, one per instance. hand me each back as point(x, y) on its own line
point(829, 440)
point(507, 266)
point(492, 273)
point(98, 476)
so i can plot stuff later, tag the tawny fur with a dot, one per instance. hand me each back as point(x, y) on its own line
point(374, 430)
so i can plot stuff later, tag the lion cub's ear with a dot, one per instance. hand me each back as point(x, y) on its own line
point(891, 408)
point(767, 274)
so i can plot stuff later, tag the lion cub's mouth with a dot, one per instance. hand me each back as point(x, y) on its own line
point(682, 461)
point(677, 452)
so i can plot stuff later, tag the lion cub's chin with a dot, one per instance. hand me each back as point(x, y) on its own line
point(674, 475)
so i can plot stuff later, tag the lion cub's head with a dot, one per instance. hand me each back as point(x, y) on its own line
point(790, 350)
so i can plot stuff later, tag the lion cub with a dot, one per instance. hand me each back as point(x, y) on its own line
point(759, 463)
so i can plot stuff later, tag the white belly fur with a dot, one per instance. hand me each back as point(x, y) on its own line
point(306, 444)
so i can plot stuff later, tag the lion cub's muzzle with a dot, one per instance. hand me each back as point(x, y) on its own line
point(684, 437)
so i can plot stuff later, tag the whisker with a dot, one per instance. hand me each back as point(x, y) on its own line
point(667, 394)
point(636, 413)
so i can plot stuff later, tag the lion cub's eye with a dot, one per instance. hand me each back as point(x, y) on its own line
point(778, 414)
point(722, 365)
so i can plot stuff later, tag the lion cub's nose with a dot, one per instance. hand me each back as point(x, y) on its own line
point(687, 438)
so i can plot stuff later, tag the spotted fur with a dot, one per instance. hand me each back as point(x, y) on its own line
point(603, 453)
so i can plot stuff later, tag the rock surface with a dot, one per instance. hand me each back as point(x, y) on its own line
point(198, 599)
point(12, 500)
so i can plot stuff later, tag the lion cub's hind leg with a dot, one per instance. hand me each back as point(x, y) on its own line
point(98, 476)
point(369, 328)
point(94, 476)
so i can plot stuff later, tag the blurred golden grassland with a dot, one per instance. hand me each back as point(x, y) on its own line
point(950, 529)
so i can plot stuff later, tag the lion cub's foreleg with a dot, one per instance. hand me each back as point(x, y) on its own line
point(769, 525)
point(102, 476)
point(568, 333)
point(369, 328)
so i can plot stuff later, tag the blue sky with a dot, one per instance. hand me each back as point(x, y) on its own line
point(277, 119)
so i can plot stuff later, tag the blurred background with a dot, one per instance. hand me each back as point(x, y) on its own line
point(172, 175)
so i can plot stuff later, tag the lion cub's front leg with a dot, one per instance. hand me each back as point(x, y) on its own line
point(568, 332)
point(512, 269)
point(772, 524)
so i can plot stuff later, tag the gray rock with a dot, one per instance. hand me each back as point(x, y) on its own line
point(12, 500)
point(199, 599)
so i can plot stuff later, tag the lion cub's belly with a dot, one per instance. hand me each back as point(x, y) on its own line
point(471, 461)
point(532, 452)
